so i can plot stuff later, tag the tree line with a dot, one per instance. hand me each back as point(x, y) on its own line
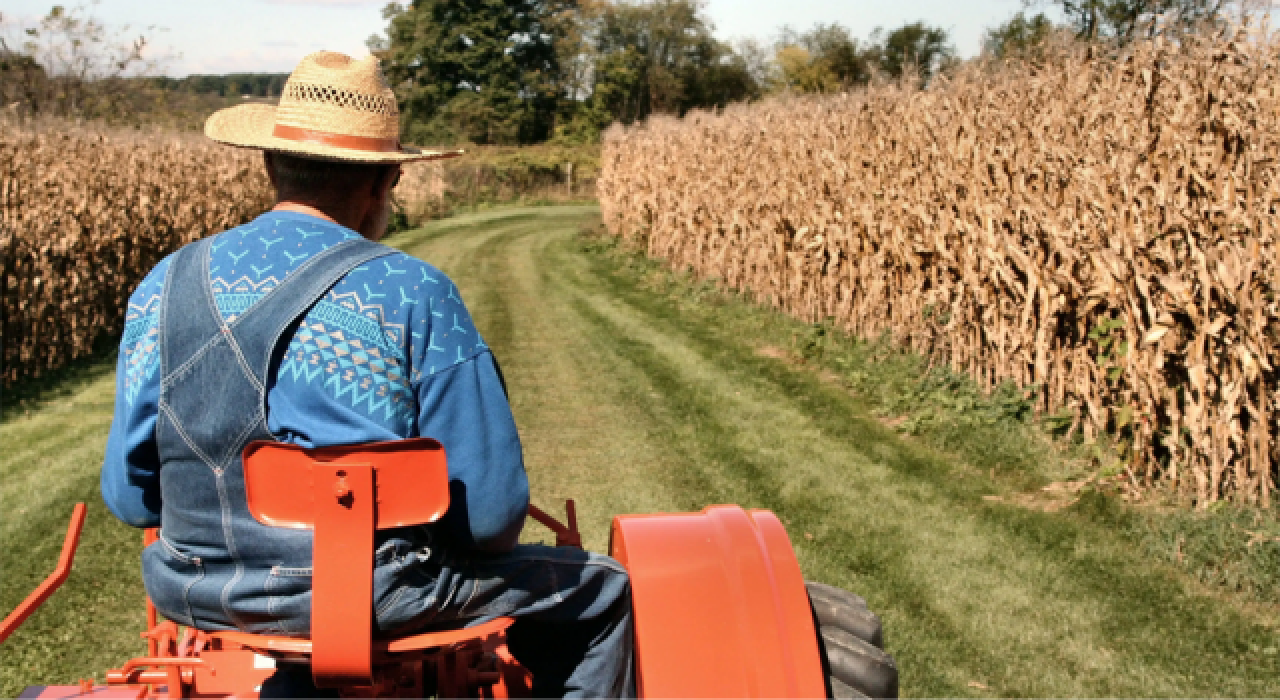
point(523, 71)
point(266, 85)
point(1115, 21)
point(513, 72)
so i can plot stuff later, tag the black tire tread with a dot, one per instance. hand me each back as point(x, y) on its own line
point(840, 609)
point(828, 591)
point(841, 691)
point(859, 665)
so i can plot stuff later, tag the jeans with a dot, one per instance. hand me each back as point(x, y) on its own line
point(573, 616)
point(573, 627)
point(572, 610)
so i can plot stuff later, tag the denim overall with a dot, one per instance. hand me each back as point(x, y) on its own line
point(214, 563)
point(215, 567)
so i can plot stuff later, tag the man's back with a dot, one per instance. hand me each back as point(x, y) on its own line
point(295, 329)
point(388, 352)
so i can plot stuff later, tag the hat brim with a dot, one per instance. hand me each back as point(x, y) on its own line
point(251, 126)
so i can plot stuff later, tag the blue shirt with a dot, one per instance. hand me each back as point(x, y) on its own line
point(389, 353)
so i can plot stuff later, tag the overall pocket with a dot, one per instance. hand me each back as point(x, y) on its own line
point(168, 575)
point(289, 599)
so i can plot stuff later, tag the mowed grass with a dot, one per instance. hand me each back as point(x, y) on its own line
point(50, 452)
point(636, 393)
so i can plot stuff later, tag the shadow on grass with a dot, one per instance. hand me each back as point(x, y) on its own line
point(59, 384)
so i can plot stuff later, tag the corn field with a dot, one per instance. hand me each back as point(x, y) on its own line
point(1097, 224)
point(421, 191)
point(84, 215)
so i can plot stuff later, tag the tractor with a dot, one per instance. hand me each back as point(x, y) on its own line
point(720, 606)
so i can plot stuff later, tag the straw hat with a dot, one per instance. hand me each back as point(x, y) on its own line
point(333, 108)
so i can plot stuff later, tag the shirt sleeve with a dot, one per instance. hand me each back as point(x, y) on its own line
point(131, 468)
point(466, 410)
point(462, 403)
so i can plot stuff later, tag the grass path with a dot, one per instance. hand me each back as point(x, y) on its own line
point(634, 398)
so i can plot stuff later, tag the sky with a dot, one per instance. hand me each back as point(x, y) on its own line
point(226, 36)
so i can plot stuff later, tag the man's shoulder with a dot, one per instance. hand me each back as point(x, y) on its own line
point(409, 281)
point(145, 300)
point(421, 271)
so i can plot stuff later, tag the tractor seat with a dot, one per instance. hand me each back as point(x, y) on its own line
point(345, 494)
point(299, 649)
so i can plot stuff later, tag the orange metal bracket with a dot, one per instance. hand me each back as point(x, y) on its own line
point(51, 584)
point(354, 490)
point(342, 583)
point(565, 536)
point(149, 536)
point(382, 648)
point(344, 494)
point(132, 669)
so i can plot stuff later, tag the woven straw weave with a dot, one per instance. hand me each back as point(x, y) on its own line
point(365, 107)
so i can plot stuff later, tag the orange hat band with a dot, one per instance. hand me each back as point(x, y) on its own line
point(355, 143)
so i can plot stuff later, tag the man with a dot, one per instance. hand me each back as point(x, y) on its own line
point(298, 327)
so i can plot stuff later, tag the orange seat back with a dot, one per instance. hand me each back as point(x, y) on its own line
point(412, 481)
point(344, 494)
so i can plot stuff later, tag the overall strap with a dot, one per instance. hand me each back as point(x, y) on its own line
point(189, 317)
point(259, 330)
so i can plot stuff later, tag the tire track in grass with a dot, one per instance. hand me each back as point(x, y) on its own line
point(1062, 591)
point(1141, 610)
point(712, 467)
point(693, 487)
point(723, 445)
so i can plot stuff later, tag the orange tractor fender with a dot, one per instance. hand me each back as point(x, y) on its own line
point(720, 606)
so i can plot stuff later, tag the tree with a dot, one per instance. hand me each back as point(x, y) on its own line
point(758, 60)
point(1123, 20)
point(801, 71)
point(1017, 36)
point(661, 57)
point(70, 64)
point(824, 59)
point(927, 49)
point(519, 71)
point(484, 71)
point(828, 58)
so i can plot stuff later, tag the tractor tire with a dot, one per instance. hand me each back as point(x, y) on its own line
point(857, 664)
point(835, 607)
point(840, 691)
point(849, 639)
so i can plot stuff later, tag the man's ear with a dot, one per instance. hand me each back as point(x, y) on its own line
point(385, 182)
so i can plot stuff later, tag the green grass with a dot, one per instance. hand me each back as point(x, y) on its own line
point(53, 444)
point(637, 390)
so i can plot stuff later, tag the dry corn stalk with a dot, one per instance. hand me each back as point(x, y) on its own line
point(1100, 227)
point(421, 191)
point(84, 215)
